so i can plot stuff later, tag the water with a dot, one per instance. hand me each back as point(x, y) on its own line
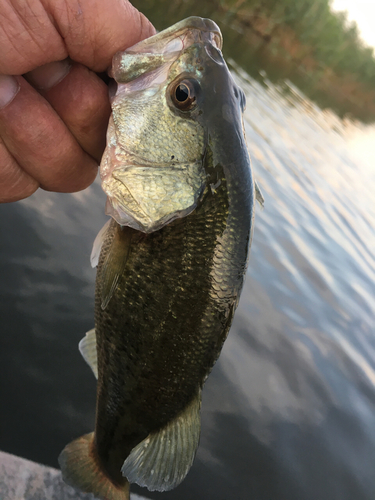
point(289, 409)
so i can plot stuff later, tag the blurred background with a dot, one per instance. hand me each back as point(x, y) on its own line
point(289, 409)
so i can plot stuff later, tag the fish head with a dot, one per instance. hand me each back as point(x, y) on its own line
point(153, 167)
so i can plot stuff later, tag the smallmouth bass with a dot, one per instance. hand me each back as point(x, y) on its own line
point(170, 262)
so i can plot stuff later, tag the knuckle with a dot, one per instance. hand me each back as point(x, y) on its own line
point(15, 184)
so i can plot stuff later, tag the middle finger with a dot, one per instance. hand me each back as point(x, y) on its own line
point(80, 99)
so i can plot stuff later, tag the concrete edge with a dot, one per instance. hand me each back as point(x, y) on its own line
point(22, 479)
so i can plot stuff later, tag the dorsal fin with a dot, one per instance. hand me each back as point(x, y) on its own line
point(161, 461)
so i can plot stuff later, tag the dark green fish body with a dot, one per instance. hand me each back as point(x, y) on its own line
point(179, 288)
point(165, 299)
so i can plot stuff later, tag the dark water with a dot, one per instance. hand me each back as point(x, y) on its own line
point(289, 409)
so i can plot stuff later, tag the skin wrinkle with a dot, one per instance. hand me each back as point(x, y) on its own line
point(142, 26)
point(22, 187)
point(53, 20)
point(4, 36)
point(14, 179)
point(56, 165)
point(7, 34)
point(35, 32)
point(71, 29)
point(90, 113)
point(35, 44)
point(100, 23)
point(100, 29)
point(58, 30)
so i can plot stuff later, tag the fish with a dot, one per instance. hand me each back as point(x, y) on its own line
point(171, 260)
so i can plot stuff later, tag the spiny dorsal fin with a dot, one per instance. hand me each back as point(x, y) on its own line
point(98, 243)
point(114, 263)
point(162, 460)
point(87, 347)
point(259, 196)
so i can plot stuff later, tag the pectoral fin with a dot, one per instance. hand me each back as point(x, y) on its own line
point(163, 459)
point(259, 195)
point(87, 347)
point(98, 243)
point(114, 263)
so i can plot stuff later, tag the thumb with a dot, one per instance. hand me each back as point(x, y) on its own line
point(93, 30)
point(87, 31)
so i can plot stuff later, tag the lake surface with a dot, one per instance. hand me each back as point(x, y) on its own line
point(289, 409)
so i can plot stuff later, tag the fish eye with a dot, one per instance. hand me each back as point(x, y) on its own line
point(183, 95)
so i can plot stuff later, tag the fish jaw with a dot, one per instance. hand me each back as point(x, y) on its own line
point(148, 195)
point(152, 168)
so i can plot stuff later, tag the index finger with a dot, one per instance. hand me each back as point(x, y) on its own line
point(88, 31)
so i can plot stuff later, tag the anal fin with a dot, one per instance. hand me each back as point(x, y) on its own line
point(162, 460)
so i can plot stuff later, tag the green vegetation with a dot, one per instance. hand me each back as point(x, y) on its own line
point(303, 40)
point(326, 36)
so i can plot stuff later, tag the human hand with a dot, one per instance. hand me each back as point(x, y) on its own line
point(53, 118)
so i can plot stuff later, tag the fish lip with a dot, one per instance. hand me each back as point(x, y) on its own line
point(191, 23)
point(162, 49)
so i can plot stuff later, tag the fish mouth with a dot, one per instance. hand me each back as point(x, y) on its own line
point(194, 23)
point(164, 47)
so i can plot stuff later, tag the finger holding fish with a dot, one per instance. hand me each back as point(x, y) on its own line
point(15, 183)
point(28, 129)
point(80, 99)
point(53, 130)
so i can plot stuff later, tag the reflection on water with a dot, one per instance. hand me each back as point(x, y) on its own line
point(289, 410)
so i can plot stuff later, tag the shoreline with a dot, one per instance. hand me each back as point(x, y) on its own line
point(349, 95)
point(257, 38)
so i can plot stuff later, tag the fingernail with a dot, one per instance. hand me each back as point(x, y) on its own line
point(47, 76)
point(9, 87)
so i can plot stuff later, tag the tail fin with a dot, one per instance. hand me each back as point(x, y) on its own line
point(81, 470)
